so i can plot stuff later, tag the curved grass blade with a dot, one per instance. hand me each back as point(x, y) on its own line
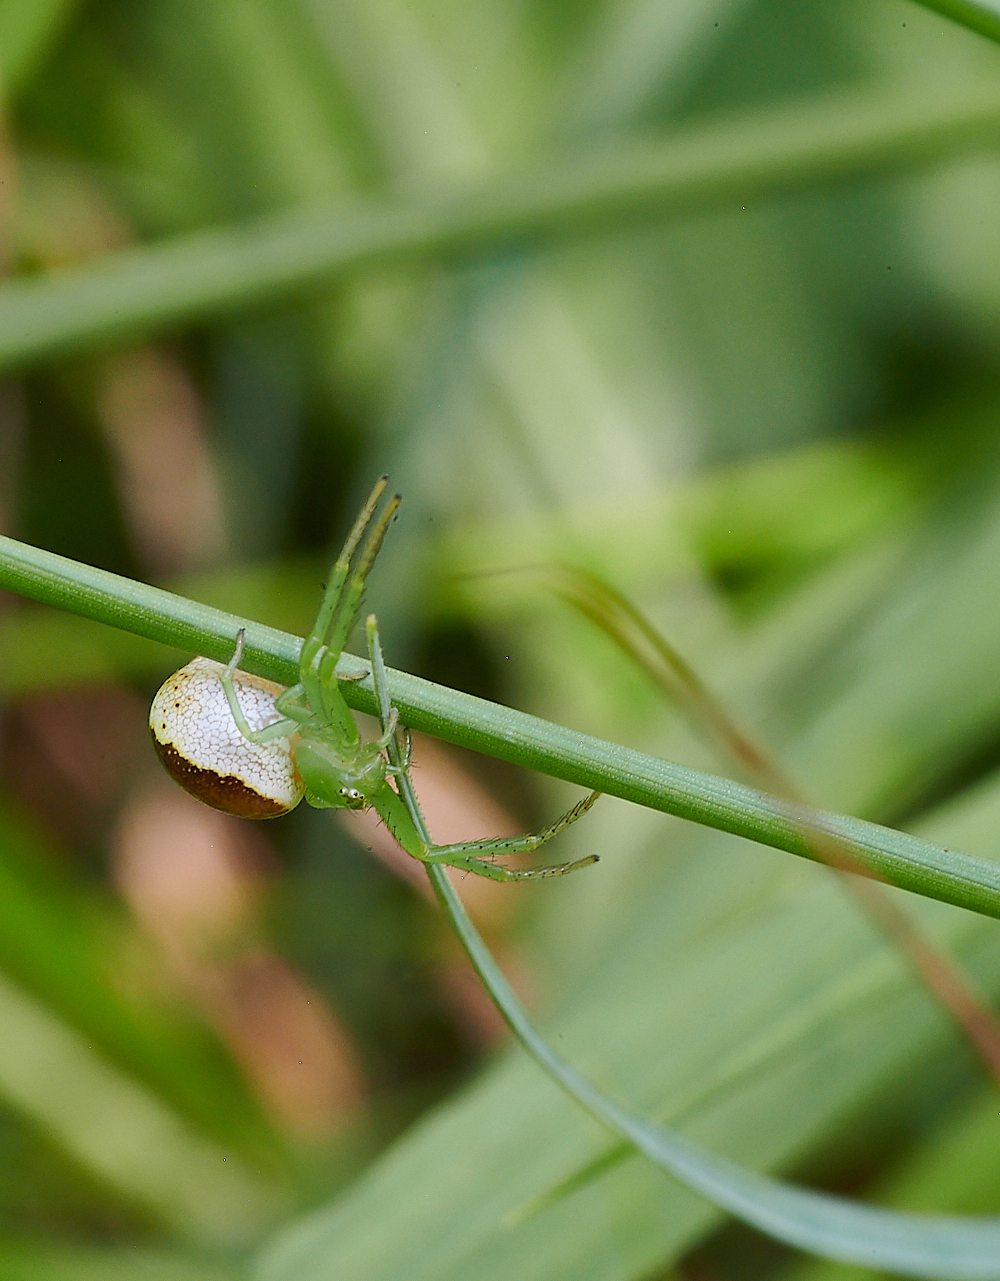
point(933, 1246)
point(946, 1247)
point(636, 637)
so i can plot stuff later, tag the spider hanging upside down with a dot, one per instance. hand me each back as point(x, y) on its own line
point(248, 747)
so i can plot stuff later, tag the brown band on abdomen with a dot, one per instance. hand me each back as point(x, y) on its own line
point(222, 791)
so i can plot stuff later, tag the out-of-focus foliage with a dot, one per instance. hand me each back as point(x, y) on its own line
point(772, 421)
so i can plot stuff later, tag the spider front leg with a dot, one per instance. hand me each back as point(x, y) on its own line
point(405, 758)
point(470, 856)
point(278, 729)
point(389, 730)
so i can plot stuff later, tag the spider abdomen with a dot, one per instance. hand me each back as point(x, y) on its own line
point(202, 748)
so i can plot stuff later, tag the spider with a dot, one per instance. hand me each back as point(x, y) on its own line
point(252, 748)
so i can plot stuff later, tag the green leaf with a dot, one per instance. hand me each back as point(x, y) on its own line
point(122, 1132)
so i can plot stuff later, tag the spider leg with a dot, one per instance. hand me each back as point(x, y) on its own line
point(404, 762)
point(277, 729)
point(346, 611)
point(503, 845)
point(388, 715)
point(390, 729)
point(329, 610)
point(379, 678)
point(399, 762)
point(471, 856)
point(497, 872)
point(234, 662)
point(292, 703)
point(338, 577)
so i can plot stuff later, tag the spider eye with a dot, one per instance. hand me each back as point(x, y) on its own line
point(352, 798)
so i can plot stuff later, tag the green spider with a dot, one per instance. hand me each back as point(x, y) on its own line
point(251, 748)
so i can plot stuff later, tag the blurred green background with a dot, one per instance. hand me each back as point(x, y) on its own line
point(759, 395)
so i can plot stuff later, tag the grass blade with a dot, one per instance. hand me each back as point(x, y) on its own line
point(122, 1132)
point(944, 1247)
point(894, 857)
point(713, 166)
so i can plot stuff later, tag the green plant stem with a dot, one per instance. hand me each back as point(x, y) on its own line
point(978, 15)
point(894, 857)
point(723, 165)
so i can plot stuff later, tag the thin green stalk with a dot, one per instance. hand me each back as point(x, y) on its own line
point(725, 165)
point(894, 857)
